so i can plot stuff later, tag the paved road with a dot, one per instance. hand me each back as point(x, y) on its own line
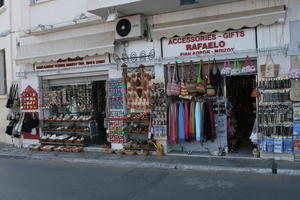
point(40, 180)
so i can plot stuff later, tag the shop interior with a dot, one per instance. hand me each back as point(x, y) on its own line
point(74, 113)
point(242, 110)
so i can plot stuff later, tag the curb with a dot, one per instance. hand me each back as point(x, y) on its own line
point(157, 165)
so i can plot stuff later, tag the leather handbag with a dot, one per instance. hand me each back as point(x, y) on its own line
point(191, 84)
point(9, 102)
point(200, 87)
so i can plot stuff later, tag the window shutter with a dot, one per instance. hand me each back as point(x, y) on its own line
point(2, 73)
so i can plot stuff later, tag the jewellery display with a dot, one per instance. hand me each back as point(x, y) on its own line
point(159, 109)
point(29, 99)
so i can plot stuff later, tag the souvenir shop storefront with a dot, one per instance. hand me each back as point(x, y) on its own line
point(67, 99)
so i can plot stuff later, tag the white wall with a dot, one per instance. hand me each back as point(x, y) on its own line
point(8, 21)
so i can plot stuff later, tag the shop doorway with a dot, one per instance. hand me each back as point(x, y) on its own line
point(242, 111)
point(99, 107)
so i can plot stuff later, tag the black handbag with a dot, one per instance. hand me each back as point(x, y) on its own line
point(10, 100)
point(9, 128)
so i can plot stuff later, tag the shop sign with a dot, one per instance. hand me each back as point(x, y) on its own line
point(213, 43)
point(72, 62)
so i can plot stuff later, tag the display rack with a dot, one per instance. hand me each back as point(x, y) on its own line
point(275, 116)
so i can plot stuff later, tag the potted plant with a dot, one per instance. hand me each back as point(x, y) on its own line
point(159, 148)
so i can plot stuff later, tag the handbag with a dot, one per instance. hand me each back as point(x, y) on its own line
point(191, 84)
point(269, 70)
point(295, 90)
point(226, 70)
point(169, 83)
point(9, 102)
point(183, 87)
point(210, 90)
point(248, 66)
point(236, 68)
point(200, 88)
point(174, 87)
point(16, 99)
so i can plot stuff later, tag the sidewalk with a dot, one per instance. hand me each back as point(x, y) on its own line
point(218, 164)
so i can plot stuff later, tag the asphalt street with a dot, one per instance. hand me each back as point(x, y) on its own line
point(43, 180)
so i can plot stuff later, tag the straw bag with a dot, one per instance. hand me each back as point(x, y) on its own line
point(248, 66)
point(183, 87)
point(269, 70)
point(236, 68)
point(226, 70)
point(191, 84)
point(200, 87)
point(174, 88)
point(295, 90)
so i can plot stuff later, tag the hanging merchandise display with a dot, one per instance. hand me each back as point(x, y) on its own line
point(159, 109)
point(200, 87)
point(13, 104)
point(191, 81)
point(226, 70)
point(248, 66)
point(269, 69)
point(139, 114)
point(236, 68)
point(116, 110)
point(138, 88)
point(29, 99)
point(275, 115)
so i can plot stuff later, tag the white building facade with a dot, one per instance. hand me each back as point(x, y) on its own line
point(65, 44)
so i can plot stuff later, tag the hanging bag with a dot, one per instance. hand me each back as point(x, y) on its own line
point(16, 99)
point(295, 90)
point(248, 66)
point(226, 70)
point(9, 102)
point(191, 84)
point(183, 87)
point(175, 88)
point(269, 69)
point(169, 83)
point(236, 69)
point(210, 90)
point(200, 88)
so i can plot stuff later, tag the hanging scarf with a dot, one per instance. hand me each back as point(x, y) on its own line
point(181, 123)
point(212, 121)
point(203, 123)
point(192, 132)
point(198, 121)
point(173, 122)
point(186, 121)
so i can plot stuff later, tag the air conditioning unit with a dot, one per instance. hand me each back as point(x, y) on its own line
point(131, 27)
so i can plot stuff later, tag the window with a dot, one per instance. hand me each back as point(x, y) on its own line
point(294, 47)
point(2, 72)
point(1, 3)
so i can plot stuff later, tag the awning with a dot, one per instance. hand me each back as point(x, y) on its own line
point(88, 45)
point(238, 20)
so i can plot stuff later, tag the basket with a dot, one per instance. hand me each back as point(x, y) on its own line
point(119, 152)
point(143, 153)
point(129, 152)
point(109, 151)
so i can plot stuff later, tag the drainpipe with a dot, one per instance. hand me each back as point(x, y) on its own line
point(11, 40)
